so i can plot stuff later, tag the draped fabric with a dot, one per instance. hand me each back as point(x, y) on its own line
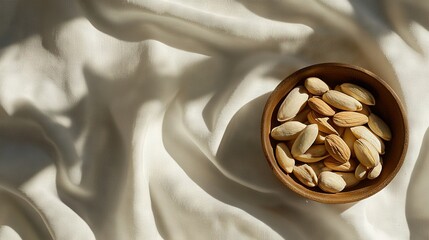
point(140, 119)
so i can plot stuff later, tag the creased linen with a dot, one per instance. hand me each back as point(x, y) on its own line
point(141, 119)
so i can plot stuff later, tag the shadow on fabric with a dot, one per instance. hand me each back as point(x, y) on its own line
point(417, 211)
point(239, 175)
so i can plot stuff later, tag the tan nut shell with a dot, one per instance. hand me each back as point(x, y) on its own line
point(318, 167)
point(337, 148)
point(349, 178)
point(365, 110)
point(287, 131)
point(302, 115)
point(284, 158)
point(322, 122)
point(331, 182)
point(366, 153)
point(358, 92)
point(361, 172)
point(304, 140)
point(349, 119)
point(314, 154)
point(305, 175)
point(335, 165)
point(316, 86)
point(319, 106)
point(320, 138)
point(365, 133)
point(349, 139)
point(294, 102)
point(341, 101)
point(376, 171)
point(379, 127)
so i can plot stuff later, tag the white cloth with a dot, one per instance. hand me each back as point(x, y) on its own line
point(140, 119)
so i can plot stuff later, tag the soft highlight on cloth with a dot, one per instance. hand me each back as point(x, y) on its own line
point(141, 119)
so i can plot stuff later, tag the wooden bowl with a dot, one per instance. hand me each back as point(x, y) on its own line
point(388, 107)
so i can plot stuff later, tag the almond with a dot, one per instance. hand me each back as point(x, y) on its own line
point(320, 138)
point(341, 101)
point(318, 167)
point(302, 115)
point(337, 148)
point(365, 110)
point(379, 127)
point(284, 158)
point(331, 182)
point(361, 172)
point(320, 106)
point(340, 130)
point(324, 140)
point(293, 103)
point(304, 140)
point(305, 175)
point(316, 86)
point(335, 165)
point(314, 154)
point(375, 172)
point(366, 153)
point(322, 122)
point(287, 131)
point(338, 88)
point(349, 119)
point(349, 139)
point(365, 133)
point(358, 92)
point(349, 178)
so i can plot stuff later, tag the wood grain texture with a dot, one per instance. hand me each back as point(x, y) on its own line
point(388, 107)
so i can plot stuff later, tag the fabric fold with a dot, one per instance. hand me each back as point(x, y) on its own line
point(141, 119)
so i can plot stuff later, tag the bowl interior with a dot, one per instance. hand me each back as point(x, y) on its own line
point(388, 107)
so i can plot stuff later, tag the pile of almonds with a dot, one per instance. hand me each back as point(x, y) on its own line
point(330, 138)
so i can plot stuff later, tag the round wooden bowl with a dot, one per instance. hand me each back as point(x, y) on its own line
point(388, 107)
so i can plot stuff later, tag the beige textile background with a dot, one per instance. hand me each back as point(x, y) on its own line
point(140, 119)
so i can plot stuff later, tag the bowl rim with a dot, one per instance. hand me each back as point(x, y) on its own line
point(266, 145)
